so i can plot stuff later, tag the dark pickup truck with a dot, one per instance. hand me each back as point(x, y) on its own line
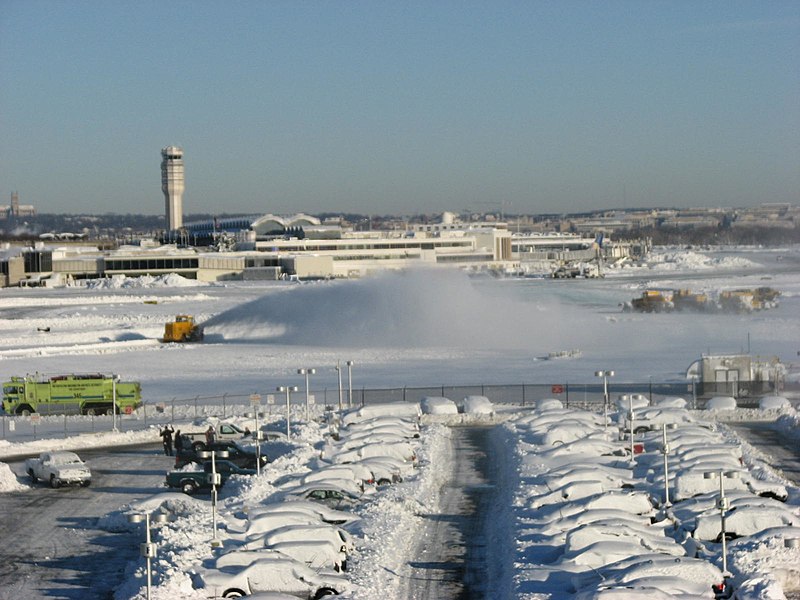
point(241, 456)
point(191, 481)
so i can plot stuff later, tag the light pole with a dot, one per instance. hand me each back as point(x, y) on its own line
point(114, 379)
point(631, 419)
point(339, 373)
point(605, 375)
point(665, 450)
point(306, 372)
point(723, 504)
point(216, 480)
point(288, 389)
point(147, 550)
point(349, 364)
point(255, 401)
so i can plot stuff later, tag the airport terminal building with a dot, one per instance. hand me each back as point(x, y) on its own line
point(272, 247)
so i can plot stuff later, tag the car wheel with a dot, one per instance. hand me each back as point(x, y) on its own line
point(86, 483)
point(25, 412)
point(54, 482)
point(33, 477)
point(384, 481)
point(326, 591)
point(189, 487)
point(233, 594)
point(198, 446)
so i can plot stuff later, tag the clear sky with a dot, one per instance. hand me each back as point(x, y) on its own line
point(400, 107)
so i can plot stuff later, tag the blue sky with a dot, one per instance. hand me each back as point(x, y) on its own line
point(402, 107)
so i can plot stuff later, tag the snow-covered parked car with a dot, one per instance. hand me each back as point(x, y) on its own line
point(272, 574)
point(393, 409)
point(638, 571)
point(476, 405)
point(773, 403)
point(292, 505)
point(438, 405)
point(748, 514)
point(291, 533)
point(721, 403)
point(59, 468)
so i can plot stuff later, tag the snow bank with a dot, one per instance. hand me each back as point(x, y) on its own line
point(145, 281)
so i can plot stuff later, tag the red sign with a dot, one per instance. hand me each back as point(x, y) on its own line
point(557, 389)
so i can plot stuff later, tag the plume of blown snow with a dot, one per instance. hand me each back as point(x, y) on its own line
point(426, 307)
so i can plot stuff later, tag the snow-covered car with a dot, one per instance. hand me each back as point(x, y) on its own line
point(294, 533)
point(645, 566)
point(355, 472)
point(401, 450)
point(636, 401)
point(59, 468)
point(672, 402)
point(773, 403)
point(743, 520)
point(272, 574)
point(476, 405)
point(336, 493)
point(393, 409)
point(549, 404)
point(293, 505)
point(721, 403)
point(258, 525)
point(317, 555)
point(438, 405)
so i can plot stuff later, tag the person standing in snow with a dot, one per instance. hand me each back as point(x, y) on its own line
point(210, 435)
point(166, 435)
point(178, 442)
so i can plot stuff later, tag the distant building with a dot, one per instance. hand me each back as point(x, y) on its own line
point(16, 210)
point(172, 184)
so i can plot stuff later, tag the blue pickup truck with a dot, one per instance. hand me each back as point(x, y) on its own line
point(191, 481)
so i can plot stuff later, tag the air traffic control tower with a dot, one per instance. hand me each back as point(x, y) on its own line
point(172, 185)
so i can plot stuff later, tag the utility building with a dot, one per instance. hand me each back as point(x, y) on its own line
point(172, 184)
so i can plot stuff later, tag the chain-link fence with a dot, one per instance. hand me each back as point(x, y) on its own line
point(273, 406)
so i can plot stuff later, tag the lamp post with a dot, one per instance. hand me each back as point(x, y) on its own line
point(665, 450)
point(114, 379)
point(306, 372)
point(349, 364)
point(147, 549)
point(255, 401)
point(631, 419)
point(288, 389)
point(723, 504)
point(339, 374)
point(216, 481)
point(605, 375)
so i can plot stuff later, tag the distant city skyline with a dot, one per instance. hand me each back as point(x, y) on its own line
point(378, 108)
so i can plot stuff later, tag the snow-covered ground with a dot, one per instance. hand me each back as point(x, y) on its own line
point(420, 328)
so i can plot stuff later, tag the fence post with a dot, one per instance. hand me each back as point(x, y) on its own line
point(523, 395)
point(363, 397)
point(223, 404)
point(404, 393)
point(566, 398)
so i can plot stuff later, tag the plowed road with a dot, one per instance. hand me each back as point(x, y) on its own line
point(49, 544)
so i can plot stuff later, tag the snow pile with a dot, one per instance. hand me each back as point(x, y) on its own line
point(145, 281)
point(669, 260)
point(9, 481)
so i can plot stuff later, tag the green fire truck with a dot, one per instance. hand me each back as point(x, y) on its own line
point(91, 394)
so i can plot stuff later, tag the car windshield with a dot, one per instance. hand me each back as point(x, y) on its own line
point(65, 459)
